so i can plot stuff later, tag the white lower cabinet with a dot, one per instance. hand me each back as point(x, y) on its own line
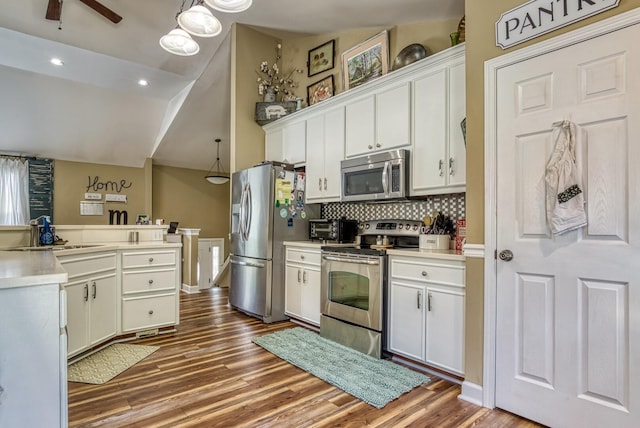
point(426, 311)
point(150, 285)
point(91, 299)
point(302, 284)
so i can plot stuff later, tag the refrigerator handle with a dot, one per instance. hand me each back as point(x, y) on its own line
point(247, 228)
point(241, 225)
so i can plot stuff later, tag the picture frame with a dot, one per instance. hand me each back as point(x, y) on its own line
point(320, 58)
point(366, 61)
point(320, 90)
point(142, 219)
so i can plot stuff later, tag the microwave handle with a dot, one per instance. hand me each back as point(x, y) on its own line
point(385, 178)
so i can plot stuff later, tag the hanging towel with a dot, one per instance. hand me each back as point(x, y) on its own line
point(564, 197)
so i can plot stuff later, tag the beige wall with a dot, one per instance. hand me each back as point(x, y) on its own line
point(183, 195)
point(70, 184)
point(480, 20)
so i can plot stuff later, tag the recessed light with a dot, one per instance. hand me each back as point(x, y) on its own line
point(143, 82)
point(56, 61)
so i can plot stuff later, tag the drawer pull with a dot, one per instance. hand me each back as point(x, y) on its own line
point(302, 257)
point(424, 273)
point(150, 311)
point(151, 281)
point(150, 259)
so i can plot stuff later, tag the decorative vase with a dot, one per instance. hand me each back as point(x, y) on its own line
point(269, 95)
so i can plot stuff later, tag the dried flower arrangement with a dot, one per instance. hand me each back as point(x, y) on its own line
point(270, 79)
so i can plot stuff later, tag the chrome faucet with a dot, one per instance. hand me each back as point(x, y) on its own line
point(34, 231)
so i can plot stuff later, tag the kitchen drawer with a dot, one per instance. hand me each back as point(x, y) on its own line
point(424, 270)
point(147, 312)
point(88, 264)
point(303, 256)
point(140, 259)
point(141, 281)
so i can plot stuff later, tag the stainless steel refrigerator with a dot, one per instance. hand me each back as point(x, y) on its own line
point(267, 208)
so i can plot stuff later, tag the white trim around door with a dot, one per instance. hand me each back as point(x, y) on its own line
point(491, 70)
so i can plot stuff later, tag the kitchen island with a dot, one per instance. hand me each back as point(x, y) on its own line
point(33, 342)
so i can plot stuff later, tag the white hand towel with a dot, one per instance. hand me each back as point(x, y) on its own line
point(564, 197)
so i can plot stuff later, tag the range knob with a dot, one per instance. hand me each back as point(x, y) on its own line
point(415, 227)
point(400, 226)
point(408, 226)
point(367, 226)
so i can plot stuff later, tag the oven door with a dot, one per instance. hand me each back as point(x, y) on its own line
point(352, 288)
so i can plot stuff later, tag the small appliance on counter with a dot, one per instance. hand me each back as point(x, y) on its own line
point(337, 230)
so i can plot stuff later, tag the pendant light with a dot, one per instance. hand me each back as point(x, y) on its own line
point(218, 176)
point(229, 6)
point(199, 21)
point(179, 42)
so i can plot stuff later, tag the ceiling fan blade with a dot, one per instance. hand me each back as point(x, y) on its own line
point(54, 9)
point(102, 10)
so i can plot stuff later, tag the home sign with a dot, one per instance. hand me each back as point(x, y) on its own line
point(538, 17)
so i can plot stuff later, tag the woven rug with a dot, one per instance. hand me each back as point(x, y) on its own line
point(107, 363)
point(374, 381)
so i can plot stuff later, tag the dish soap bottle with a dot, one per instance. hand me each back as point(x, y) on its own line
point(46, 236)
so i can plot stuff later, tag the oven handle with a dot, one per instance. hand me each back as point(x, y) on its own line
point(357, 261)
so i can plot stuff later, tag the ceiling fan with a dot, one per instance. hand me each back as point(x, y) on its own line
point(54, 10)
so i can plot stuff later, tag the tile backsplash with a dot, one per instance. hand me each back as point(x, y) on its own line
point(452, 205)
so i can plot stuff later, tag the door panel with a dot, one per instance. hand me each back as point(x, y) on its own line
point(567, 351)
point(250, 285)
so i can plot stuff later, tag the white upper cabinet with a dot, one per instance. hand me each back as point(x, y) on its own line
point(325, 150)
point(438, 150)
point(286, 143)
point(419, 107)
point(380, 121)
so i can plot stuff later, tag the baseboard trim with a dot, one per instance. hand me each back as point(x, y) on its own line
point(190, 289)
point(471, 393)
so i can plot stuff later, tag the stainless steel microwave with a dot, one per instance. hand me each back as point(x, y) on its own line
point(375, 177)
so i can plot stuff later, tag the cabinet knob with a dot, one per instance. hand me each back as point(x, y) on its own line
point(151, 281)
point(370, 147)
point(301, 257)
point(150, 311)
point(424, 273)
point(150, 259)
point(378, 145)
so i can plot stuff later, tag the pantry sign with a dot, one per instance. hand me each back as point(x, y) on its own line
point(539, 17)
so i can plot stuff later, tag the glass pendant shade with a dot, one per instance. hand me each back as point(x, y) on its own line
point(179, 42)
point(217, 176)
point(199, 21)
point(229, 6)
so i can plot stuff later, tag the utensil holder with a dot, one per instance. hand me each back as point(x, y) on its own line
point(434, 242)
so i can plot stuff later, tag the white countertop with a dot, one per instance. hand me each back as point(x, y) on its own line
point(432, 254)
point(28, 268)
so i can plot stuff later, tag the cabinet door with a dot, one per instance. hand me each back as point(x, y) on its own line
point(102, 295)
point(293, 292)
point(393, 117)
point(428, 160)
point(310, 299)
point(406, 319)
point(457, 112)
point(333, 153)
point(314, 166)
point(359, 126)
point(77, 316)
point(445, 329)
point(273, 141)
point(293, 146)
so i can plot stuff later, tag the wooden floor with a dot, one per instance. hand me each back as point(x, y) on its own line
point(210, 374)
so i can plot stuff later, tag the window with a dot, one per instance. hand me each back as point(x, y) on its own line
point(26, 189)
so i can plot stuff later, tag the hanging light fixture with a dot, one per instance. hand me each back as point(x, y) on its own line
point(199, 21)
point(179, 42)
point(218, 176)
point(229, 6)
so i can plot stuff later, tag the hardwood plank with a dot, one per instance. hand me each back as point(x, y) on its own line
point(209, 374)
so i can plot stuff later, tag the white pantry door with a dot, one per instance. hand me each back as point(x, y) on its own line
point(568, 308)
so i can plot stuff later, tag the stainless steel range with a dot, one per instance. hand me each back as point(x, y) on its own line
point(354, 284)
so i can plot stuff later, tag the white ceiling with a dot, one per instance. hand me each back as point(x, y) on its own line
point(93, 110)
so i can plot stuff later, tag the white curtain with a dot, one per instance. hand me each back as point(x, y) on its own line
point(14, 192)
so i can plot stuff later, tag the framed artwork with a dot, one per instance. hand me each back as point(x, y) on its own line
point(320, 90)
point(142, 219)
point(366, 61)
point(321, 58)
